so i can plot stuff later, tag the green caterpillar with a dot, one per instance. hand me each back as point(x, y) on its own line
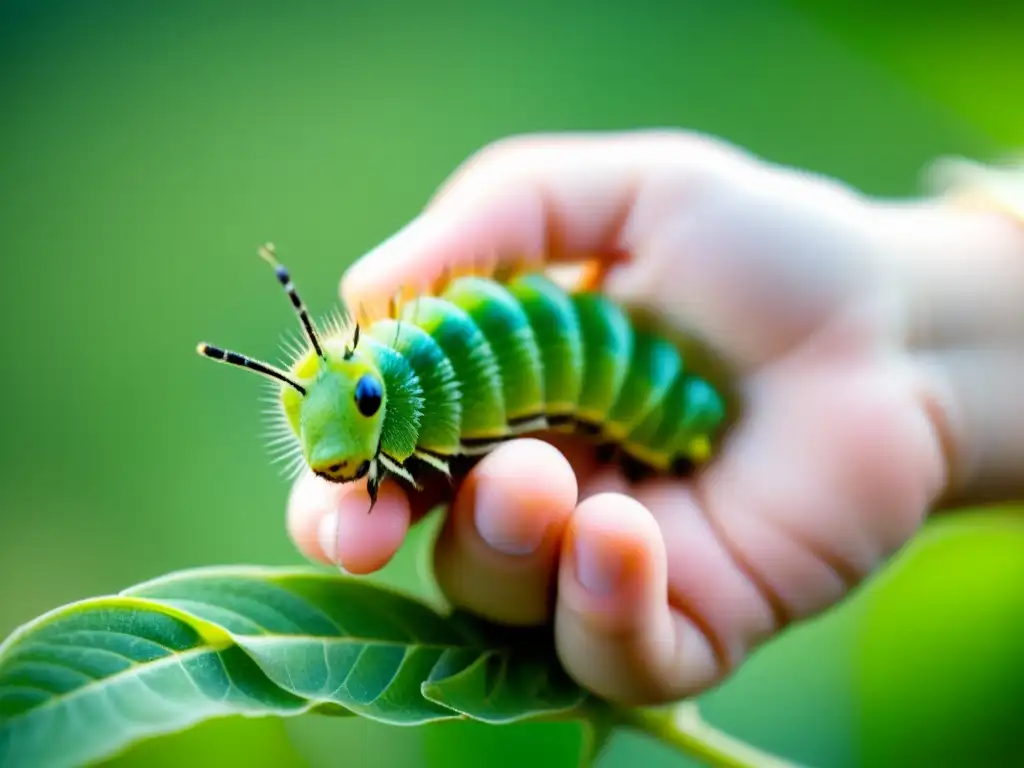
point(451, 376)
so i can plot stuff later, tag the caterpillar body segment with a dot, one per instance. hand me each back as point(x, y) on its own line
point(482, 404)
point(454, 374)
point(512, 343)
point(559, 337)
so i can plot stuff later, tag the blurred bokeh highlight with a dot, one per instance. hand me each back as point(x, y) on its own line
point(147, 148)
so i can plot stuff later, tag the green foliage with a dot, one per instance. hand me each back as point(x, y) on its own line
point(86, 681)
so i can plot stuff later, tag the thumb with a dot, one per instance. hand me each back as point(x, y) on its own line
point(533, 200)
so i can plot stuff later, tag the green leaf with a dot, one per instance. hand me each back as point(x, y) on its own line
point(86, 681)
point(598, 730)
point(502, 686)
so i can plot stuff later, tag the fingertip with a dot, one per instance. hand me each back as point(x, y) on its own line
point(615, 632)
point(614, 563)
point(360, 540)
point(308, 502)
point(497, 554)
point(540, 480)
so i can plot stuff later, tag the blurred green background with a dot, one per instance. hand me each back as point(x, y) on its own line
point(146, 148)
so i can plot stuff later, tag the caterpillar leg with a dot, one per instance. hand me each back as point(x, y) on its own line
point(606, 452)
point(633, 469)
point(433, 461)
point(683, 467)
point(373, 484)
point(426, 466)
point(697, 454)
point(396, 468)
point(380, 468)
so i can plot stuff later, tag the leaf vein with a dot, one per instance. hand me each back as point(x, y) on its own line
point(66, 638)
point(9, 688)
point(190, 603)
point(79, 692)
point(88, 649)
point(394, 675)
point(86, 677)
point(244, 640)
point(352, 667)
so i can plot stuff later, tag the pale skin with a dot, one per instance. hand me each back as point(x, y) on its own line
point(878, 346)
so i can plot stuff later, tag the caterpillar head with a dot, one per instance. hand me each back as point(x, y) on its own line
point(338, 420)
point(333, 397)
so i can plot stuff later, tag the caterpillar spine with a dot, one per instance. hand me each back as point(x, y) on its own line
point(453, 374)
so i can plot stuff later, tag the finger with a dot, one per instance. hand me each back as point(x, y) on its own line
point(498, 551)
point(615, 632)
point(331, 523)
point(706, 589)
point(539, 199)
point(361, 542)
point(831, 472)
point(706, 592)
point(308, 502)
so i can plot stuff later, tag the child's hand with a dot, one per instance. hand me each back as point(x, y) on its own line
point(823, 300)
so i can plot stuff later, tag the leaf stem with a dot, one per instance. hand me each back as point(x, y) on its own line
point(682, 728)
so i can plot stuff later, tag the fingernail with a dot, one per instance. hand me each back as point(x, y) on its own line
point(327, 536)
point(599, 568)
point(508, 528)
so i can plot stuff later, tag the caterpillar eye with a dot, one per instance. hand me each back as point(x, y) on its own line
point(368, 395)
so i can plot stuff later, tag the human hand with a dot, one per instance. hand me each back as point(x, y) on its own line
point(829, 305)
